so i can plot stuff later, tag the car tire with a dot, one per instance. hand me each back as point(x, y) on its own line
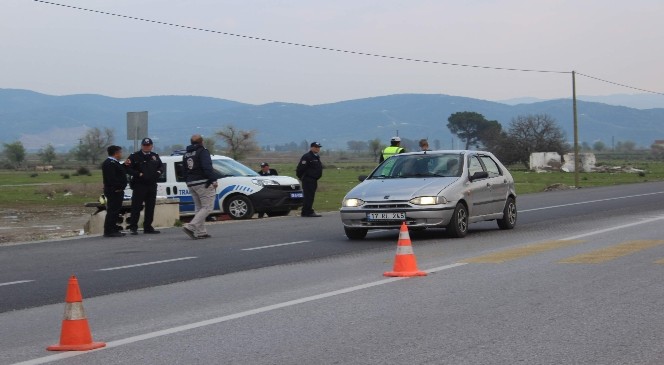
point(508, 221)
point(356, 233)
point(239, 207)
point(458, 226)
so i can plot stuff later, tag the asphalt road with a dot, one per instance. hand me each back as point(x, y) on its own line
point(295, 290)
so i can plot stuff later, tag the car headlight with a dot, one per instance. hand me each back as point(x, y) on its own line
point(428, 200)
point(264, 182)
point(352, 202)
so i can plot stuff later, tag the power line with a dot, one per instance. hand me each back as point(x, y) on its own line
point(359, 53)
point(618, 84)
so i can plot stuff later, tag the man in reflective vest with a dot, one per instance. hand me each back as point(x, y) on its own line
point(392, 150)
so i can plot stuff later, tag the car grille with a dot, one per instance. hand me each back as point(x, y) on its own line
point(294, 187)
point(385, 205)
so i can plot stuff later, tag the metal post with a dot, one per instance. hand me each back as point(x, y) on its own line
point(577, 164)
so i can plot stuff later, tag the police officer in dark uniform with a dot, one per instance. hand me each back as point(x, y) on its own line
point(309, 170)
point(145, 167)
point(266, 170)
point(115, 181)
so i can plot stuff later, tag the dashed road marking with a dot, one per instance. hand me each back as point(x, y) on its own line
point(520, 252)
point(226, 318)
point(148, 263)
point(611, 253)
point(16, 282)
point(277, 245)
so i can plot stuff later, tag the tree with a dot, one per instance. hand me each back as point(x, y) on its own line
point(469, 127)
point(357, 146)
point(92, 146)
point(599, 146)
point(47, 154)
point(15, 153)
point(238, 142)
point(375, 147)
point(210, 144)
point(535, 133)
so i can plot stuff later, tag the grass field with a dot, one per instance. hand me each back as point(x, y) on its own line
point(23, 188)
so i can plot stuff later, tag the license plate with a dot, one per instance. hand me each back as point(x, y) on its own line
point(386, 216)
point(296, 195)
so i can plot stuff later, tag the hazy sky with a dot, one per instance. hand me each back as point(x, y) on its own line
point(57, 50)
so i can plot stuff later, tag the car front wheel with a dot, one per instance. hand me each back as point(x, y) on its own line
point(239, 207)
point(508, 221)
point(458, 226)
point(356, 233)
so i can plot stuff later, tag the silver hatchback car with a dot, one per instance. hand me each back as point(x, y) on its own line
point(441, 189)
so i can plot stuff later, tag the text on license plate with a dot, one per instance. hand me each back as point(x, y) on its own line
point(296, 195)
point(386, 216)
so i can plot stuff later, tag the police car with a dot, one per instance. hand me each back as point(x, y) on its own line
point(241, 191)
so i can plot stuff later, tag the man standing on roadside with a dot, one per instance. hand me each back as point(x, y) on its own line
point(393, 149)
point(115, 181)
point(145, 168)
point(309, 170)
point(202, 183)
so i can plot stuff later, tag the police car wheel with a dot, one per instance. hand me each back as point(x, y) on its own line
point(239, 207)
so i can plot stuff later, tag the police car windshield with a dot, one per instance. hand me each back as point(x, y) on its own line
point(231, 168)
point(420, 165)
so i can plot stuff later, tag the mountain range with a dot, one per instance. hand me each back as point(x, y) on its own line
point(37, 119)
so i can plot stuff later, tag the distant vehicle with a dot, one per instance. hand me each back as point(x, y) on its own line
point(432, 189)
point(241, 191)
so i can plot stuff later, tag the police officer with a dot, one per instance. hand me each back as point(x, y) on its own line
point(115, 181)
point(145, 167)
point(202, 184)
point(266, 170)
point(393, 149)
point(309, 170)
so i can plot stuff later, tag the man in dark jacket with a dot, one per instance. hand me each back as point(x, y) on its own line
point(115, 181)
point(309, 170)
point(145, 168)
point(202, 183)
point(266, 170)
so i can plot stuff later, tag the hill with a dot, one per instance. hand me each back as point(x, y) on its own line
point(38, 119)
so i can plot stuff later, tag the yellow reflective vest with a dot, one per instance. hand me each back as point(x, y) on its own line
point(391, 151)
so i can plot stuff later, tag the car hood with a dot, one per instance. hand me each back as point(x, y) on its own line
point(399, 189)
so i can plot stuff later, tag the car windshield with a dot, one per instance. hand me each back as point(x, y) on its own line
point(231, 168)
point(420, 165)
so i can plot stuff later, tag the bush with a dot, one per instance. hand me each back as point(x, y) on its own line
point(34, 174)
point(83, 171)
point(65, 175)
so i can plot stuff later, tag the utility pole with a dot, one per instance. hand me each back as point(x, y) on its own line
point(577, 165)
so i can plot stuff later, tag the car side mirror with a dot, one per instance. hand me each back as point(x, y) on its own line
point(361, 178)
point(479, 175)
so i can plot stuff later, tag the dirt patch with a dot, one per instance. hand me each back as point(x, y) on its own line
point(41, 223)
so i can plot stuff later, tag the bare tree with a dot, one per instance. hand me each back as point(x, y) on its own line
point(211, 144)
point(535, 133)
point(92, 145)
point(357, 146)
point(375, 147)
point(238, 142)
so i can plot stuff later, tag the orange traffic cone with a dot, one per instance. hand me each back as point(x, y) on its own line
point(405, 263)
point(75, 334)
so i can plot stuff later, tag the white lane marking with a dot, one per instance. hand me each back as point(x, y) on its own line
point(380, 230)
point(16, 282)
point(147, 263)
point(614, 228)
point(186, 327)
point(591, 201)
point(277, 245)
